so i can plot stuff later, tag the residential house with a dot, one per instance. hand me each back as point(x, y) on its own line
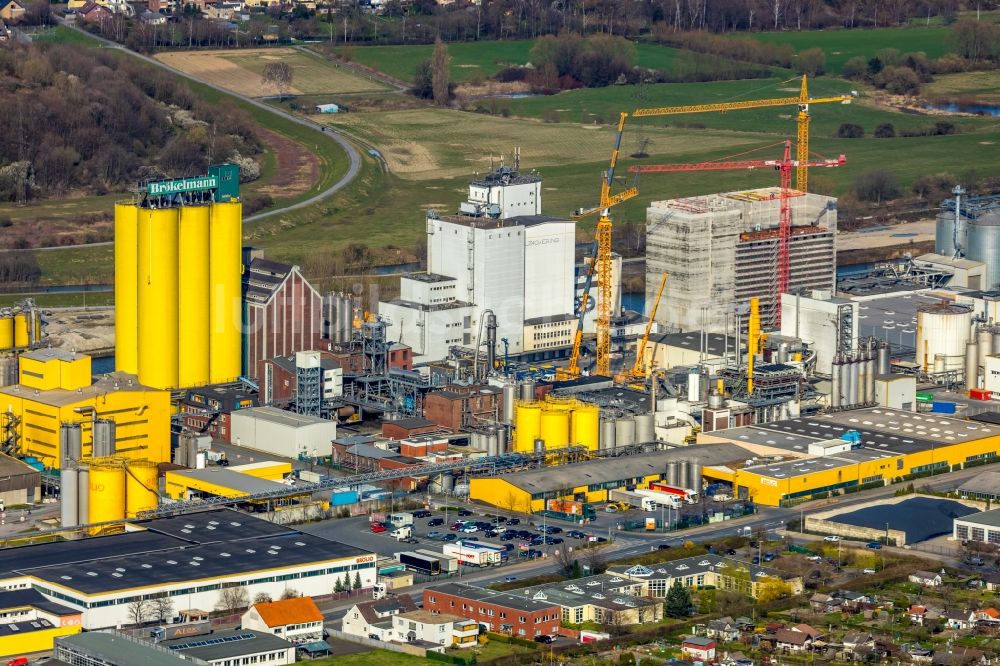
point(152, 18)
point(918, 615)
point(5, 32)
point(991, 581)
point(723, 629)
point(434, 631)
point(93, 13)
point(373, 619)
point(986, 617)
point(958, 656)
point(958, 619)
point(12, 10)
point(699, 648)
point(824, 603)
point(791, 640)
point(925, 578)
point(298, 620)
point(812, 632)
point(854, 639)
point(876, 651)
point(918, 654)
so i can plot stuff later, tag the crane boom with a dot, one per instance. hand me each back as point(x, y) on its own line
point(802, 101)
point(750, 165)
point(573, 369)
point(638, 369)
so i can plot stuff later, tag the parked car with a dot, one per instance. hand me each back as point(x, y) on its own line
point(513, 521)
point(544, 638)
point(663, 546)
point(464, 512)
point(576, 534)
point(435, 522)
point(434, 534)
point(768, 557)
point(508, 536)
point(449, 537)
point(874, 545)
point(377, 528)
point(755, 560)
point(731, 551)
point(554, 530)
point(531, 553)
point(498, 520)
point(454, 527)
point(509, 579)
point(869, 570)
point(815, 558)
point(831, 537)
point(555, 540)
point(422, 513)
point(469, 529)
point(470, 538)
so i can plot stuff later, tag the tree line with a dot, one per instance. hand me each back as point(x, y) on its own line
point(91, 121)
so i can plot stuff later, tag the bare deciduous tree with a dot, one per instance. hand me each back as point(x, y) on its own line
point(232, 599)
point(278, 75)
point(262, 598)
point(440, 73)
point(163, 608)
point(139, 611)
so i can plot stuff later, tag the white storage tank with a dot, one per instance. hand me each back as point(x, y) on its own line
point(942, 330)
point(625, 431)
point(644, 431)
point(984, 245)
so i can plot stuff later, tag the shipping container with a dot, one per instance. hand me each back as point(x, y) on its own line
point(686, 494)
point(943, 407)
point(472, 553)
point(341, 497)
point(925, 397)
point(428, 566)
point(980, 394)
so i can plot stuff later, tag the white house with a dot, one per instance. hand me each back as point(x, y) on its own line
point(374, 619)
point(699, 648)
point(438, 628)
point(298, 620)
point(925, 578)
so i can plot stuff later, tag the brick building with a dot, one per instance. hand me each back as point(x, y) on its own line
point(278, 379)
point(408, 427)
point(455, 407)
point(206, 409)
point(502, 612)
point(284, 313)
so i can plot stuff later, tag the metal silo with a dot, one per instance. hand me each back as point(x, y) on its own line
point(644, 432)
point(682, 475)
point(984, 245)
point(971, 364)
point(528, 390)
point(585, 426)
point(68, 516)
point(447, 482)
point(944, 234)
point(996, 341)
point(884, 358)
point(225, 291)
point(192, 311)
point(539, 446)
point(625, 431)
point(8, 369)
point(158, 295)
point(942, 329)
point(870, 364)
point(835, 382)
point(985, 347)
point(141, 487)
point(856, 389)
point(694, 472)
point(6, 332)
point(107, 491)
point(492, 442)
point(673, 472)
point(554, 428)
point(104, 438)
point(22, 336)
point(126, 286)
point(83, 495)
point(70, 441)
point(607, 433)
point(528, 428)
point(509, 398)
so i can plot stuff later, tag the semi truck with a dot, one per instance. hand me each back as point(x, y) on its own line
point(661, 499)
point(632, 499)
point(400, 519)
point(401, 533)
point(686, 494)
point(448, 564)
point(429, 566)
point(473, 554)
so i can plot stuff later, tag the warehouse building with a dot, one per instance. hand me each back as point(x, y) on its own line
point(284, 313)
point(983, 527)
point(233, 482)
point(985, 486)
point(55, 387)
point(191, 558)
point(19, 483)
point(233, 646)
point(701, 571)
point(815, 455)
point(590, 481)
point(112, 649)
point(30, 623)
point(283, 433)
point(721, 250)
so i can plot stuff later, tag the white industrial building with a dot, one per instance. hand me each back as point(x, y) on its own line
point(826, 323)
point(498, 253)
point(721, 250)
point(282, 433)
point(193, 559)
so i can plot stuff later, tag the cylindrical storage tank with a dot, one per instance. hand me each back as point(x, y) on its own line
point(855, 382)
point(939, 365)
point(884, 358)
point(104, 438)
point(192, 308)
point(225, 299)
point(107, 491)
point(158, 297)
point(607, 433)
point(6, 332)
point(503, 440)
point(83, 495)
point(714, 399)
point(539, 446)
point(509, 398)
point(683, 478)
point(559, 404)
point(8, 370)
point(985, 339)
point(447, 482)
point(70, 441)
point(141, 488)
point(199, 460)
point(126, 288)
point(835, 383)
point(984, 245)
point(694, 477)
point(21, 336)
point(972, 364)
point(68, 492)
point(492, 443)
point(942, 328)
point(996, 341)
point(528, 390)
point(477, 441)
point(870, 380)
point(782, 352)
point(529, 426)
point(845, 382)
point(694, 386)
point(36, 327)
point(944, 234)
point(555, 428)
point(624, 431)
point(673, 473)
point(585, 424)
point(644, 432)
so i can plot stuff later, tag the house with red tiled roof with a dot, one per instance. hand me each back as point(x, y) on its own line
point(298, 620)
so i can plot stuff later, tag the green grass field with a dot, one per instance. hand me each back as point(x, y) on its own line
point(842, 45)
point(983, 86)
point(373, 658)
point(63, 300)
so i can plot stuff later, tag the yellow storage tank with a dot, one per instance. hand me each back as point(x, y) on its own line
point(157, 297)
point(6, 332)
point(107, 491)
point(126, 285)
point(559, 404)
point(584, 427)
point(192, 310)
point(527, 426)
point(555, 428)
point(21, 335)
point(36, 337)
point(141, 487)
point(225, 299)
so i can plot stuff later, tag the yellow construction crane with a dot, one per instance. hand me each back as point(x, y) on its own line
point(603, 258)
point(638, 370)
point(754, 340)
point(803, 101)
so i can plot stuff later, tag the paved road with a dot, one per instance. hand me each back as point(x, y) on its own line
point(354, 158)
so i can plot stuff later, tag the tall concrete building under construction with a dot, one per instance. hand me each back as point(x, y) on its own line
point(721, 250)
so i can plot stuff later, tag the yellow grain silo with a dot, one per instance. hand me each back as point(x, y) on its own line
point(157, 297)
point(126, 284)
point(225, 298)
point(555, 428)
point(36, 331)
point(141, 488)
point(6, 332)
point(192, 312)
point(107, 491)
point(559, 404)
point(21, 334)
point(584, 427)
point(527, 428)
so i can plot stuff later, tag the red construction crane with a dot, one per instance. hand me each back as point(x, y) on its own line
point(784, 166)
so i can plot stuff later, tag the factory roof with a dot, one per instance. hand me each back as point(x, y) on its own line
point(617, 397)
point(691, 340)
point(506, 599)
point(410, 422)
point(112, 382)
point(226, 478)
point(227, 644)
point(549, 319)
point(119, 649)
point(987, 417)
point(23, 627)
point(601, 591)
point(692, 566)
point(505, 176)
point(502, 223)
point(793, 468)
point(210, 527)
point(434, 307)
point(583, 383)
point(620, 469)
point(453, 394)
point(49, 354)
point(13, 471)
point(429, 277)
point(281, 417)
point(987, 483)
point(287, 363)
point(10, 599)
point(956, 262)
point(988, 518)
